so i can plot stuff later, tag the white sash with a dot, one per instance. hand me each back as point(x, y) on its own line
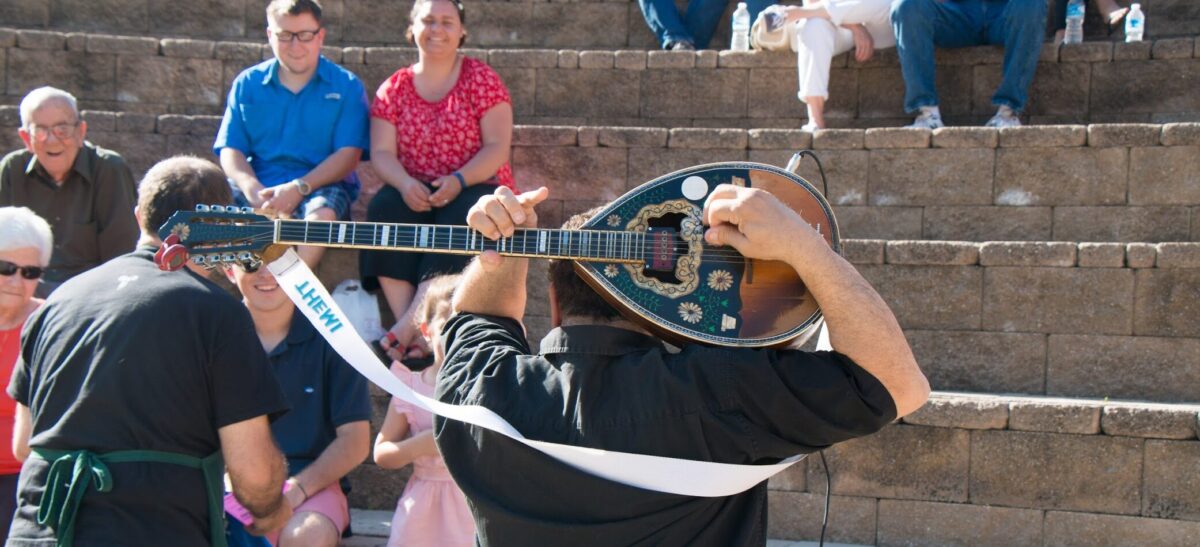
point(670, 475)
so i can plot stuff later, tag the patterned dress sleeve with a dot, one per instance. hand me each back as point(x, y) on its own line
point(386, 104)
point(487, 89)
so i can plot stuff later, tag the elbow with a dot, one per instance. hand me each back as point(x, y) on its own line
point(21, 452)
point(914, 395)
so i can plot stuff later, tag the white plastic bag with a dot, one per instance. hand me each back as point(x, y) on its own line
point(361, 308)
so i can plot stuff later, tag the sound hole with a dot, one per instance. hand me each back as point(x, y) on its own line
point(665, 246)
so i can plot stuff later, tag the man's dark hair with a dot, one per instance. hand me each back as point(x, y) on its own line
point(179, 184)
point(575, 297)
point(294, 7)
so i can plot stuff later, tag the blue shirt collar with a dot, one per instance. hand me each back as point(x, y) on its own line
point(322, 73)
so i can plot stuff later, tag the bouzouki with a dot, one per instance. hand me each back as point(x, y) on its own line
point(645, 253)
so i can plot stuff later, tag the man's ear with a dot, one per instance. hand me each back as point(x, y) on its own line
point(555, 314)
point(137, 216)
point(26, 138)
point(82, 132)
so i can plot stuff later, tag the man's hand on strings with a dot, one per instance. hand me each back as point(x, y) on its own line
point(500, 214)
point(754, 222)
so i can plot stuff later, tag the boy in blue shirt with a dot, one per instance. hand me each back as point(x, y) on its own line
point(295, 126)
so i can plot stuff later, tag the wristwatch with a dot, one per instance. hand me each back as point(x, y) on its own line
point(303, 187)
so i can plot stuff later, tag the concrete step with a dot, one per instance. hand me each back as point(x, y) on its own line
point(974, 469)
point(1103, 182)
point(492, 23)
point(1090, 82)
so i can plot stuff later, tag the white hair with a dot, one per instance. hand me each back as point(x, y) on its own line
point(20, 228)
point(42, 95)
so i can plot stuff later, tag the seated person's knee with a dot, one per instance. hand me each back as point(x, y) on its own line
point(309, 529)
point(906, 10)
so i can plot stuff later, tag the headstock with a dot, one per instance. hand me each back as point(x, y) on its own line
point(213, 235)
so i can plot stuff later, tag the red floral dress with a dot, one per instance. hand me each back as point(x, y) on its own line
point(434, 139)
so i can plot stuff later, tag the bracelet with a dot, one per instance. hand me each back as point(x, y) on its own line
point(461, 181)
point(296, 482)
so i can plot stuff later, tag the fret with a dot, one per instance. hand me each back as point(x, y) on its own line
point(450, 239)
point(608, 250)
point(524, 241)
point(566, 234)
point(354, 234)
point(305, 232)
point(375, 233)
point(329, 236)
point(471, 241)
point(424, 230)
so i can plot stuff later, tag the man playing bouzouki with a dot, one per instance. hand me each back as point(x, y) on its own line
point(601, 381)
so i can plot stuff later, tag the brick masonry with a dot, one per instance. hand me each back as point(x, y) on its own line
point(583, 84)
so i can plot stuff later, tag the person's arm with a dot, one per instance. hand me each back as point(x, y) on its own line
point(387, 166)
point(492, 285)
point(393, 450)
point(496, 127)
point(336, 167)
point(116, 227)
point(22, 429)
point(349, 449)
point(861, 326)
point(256, 471)
point(237, 168)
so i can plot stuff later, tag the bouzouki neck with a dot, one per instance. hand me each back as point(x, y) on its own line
point(581, 245)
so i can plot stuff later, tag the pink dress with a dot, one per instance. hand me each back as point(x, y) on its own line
point(432, 510)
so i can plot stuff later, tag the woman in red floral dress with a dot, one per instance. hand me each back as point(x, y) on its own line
point(441, 130)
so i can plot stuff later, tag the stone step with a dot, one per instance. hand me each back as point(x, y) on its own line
point(1039, 318)
point(1103, 182)
point(972, 469)
point(371, 529)
point(494, 23)
point(1090, 82)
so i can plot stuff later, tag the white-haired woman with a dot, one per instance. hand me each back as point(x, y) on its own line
point(25, 245)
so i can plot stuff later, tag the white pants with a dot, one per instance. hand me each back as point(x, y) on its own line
point(818, 40)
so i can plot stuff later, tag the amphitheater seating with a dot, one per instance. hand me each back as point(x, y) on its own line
point(1046, 276)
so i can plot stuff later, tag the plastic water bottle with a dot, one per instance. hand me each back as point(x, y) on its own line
point(741, 28)
point(1075, 11)
point(1135, 24)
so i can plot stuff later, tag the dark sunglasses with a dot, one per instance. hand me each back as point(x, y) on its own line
point(28, 272)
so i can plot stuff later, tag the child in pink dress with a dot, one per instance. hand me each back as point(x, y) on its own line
point(432, 510)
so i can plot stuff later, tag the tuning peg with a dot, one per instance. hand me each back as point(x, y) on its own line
point(201, 208)
point(247, 210)
point(217, 208)
point(171, 257)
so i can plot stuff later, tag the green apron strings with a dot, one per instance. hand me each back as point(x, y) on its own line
point(73, 472)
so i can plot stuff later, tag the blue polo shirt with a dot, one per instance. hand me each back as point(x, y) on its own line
point(323, 391)
point(285, 135)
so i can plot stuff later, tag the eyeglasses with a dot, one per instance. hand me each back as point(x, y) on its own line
point(27, 272)
point(60, 131)
point(304, 36)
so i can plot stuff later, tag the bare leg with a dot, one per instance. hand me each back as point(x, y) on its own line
point(1112, 10)
point(816, 111)
point(309, 529)
point(403, 299)
point(309, 254)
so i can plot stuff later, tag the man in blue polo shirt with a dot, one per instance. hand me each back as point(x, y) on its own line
point(295, 126)
point(327, 432)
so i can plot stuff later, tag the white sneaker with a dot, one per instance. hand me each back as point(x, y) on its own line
point(810, 127)
point(929, 118)
point(1005, 117)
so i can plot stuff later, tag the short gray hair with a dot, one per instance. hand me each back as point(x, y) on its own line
point(20, 227)
point(42, 95)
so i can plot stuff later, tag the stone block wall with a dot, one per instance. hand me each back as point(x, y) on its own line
point(1090, 82)
point(492, 23)
point(1114, 183)
point(1002, 470)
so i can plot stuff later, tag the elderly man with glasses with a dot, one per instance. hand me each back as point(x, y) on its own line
point(85, 192)
point(295, 126)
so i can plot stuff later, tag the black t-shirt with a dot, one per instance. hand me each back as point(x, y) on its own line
point(128, 357)
point(610, 388)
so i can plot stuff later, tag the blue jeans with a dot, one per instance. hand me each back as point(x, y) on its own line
point(697, 26)
point(1018, 25)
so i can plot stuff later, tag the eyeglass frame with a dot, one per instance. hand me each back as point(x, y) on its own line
point(61, 131)
point(293, 37)
point(26, 271)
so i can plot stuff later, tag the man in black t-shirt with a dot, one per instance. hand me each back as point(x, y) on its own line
point(143, 378)
point(602, 382)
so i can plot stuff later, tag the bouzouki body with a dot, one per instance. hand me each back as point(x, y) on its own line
point(644, 253)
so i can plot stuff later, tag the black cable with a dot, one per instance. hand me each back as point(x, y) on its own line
point(820, 168)
point(828, 490)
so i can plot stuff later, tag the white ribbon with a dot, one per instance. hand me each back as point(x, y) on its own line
point(670, 475)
